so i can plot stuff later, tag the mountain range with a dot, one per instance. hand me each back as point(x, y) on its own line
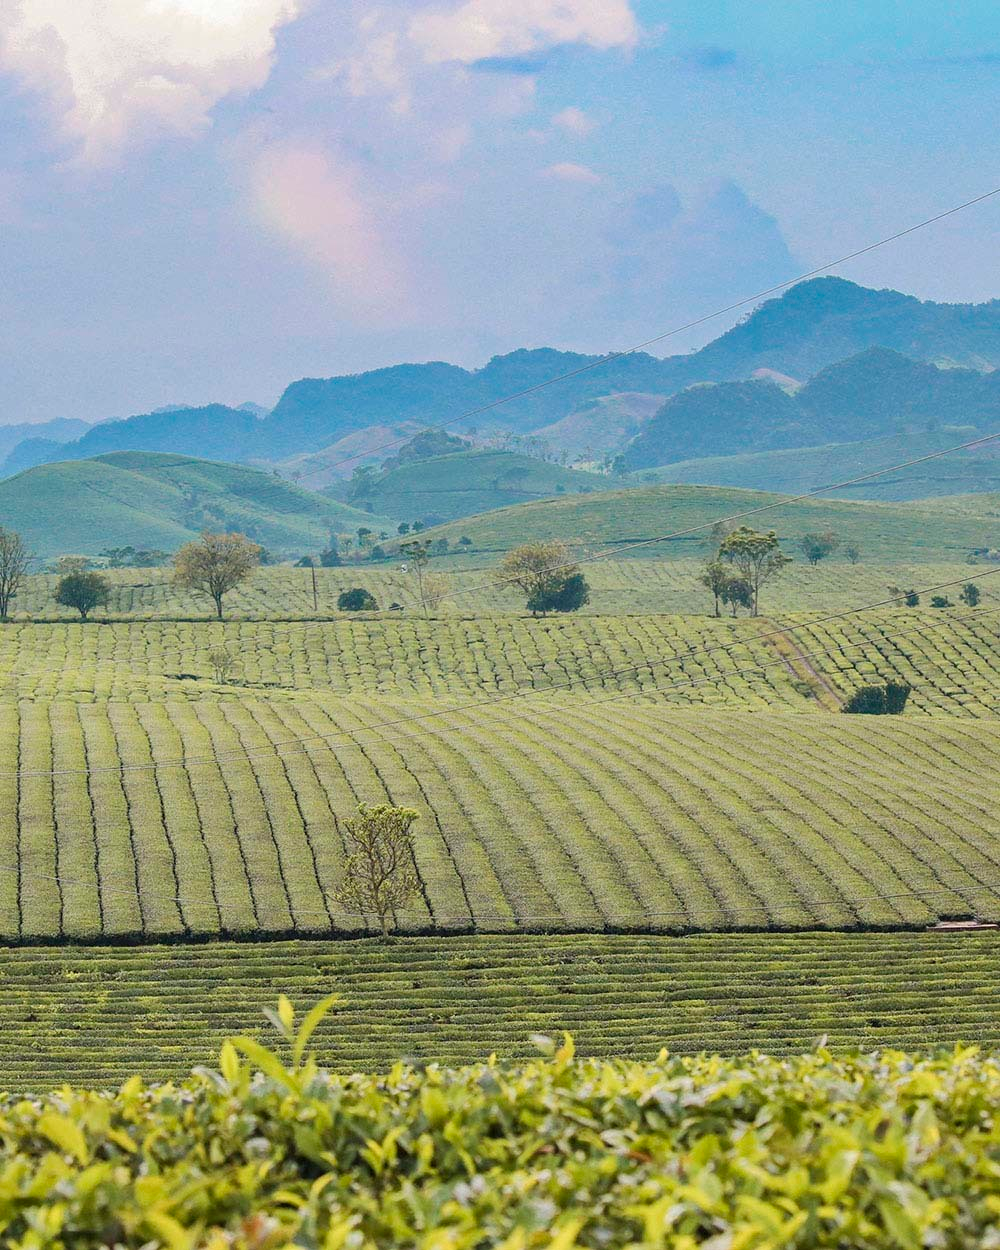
point(797, 336)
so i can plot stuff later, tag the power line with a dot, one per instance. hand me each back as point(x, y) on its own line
point(659, 338)
point(737, 516)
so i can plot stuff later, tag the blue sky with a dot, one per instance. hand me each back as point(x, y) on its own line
point(204, 199)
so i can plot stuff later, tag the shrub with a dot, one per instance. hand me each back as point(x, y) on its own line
point(970, 595)
point(267, 1150)
point(887, 700)
point(356, 600)
point(940, 601)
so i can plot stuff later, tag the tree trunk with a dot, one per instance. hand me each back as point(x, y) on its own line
point(218, 606)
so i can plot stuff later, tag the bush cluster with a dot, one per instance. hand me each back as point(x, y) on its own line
point(269, 1152)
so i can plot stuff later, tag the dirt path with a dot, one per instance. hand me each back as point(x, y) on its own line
point(801, 667)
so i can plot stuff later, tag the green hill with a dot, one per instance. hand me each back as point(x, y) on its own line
point(803, 469)
point(615, 518)
point(151, 500)
point(469, 482)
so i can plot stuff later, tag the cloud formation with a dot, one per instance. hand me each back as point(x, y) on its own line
point(115, 68)
point(479, 30)
point(570, 171)
point(317, 205)
point(574, 121)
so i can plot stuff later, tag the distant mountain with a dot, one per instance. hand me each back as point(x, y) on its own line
point(443, 488)
point(871, 395)
point(150, 500)
point(601, 426)
point(811, 327)
point(60, 430)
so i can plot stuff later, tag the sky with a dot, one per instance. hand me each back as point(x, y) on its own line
point(203, 200)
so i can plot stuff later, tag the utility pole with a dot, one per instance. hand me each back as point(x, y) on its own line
point(312, 569)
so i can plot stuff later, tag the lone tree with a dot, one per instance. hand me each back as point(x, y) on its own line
point(816, 547)
point(14, 561)
point(380, 874)
point(418, 555)
point(853, 553)
point(83, 591)
point(548, 576)
point(756, 557)
point(215, 565)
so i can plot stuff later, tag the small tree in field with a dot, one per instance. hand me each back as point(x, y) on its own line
point(714, 579)
point(215, 565)
point(418, 555)
point(816, 547)
point(546, 574)
point(83, 591)
point(380, 874)
point(853, 553)
point(756, 557)
point(14, 561)
point(357, 600)
point(736, 594)
point(223, 662)
point(970, 595)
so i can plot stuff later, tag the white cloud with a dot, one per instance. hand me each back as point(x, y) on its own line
point(568, 171)
point(479, 29)
point(574, 121)
point(318, 206)
point(115, 67)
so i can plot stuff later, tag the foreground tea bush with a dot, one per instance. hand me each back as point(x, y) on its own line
point(270, 1152)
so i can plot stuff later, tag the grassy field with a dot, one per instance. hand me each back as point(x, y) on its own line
point(617, 587)
point(149, 500)
point(886, 532)
point(95, 1015)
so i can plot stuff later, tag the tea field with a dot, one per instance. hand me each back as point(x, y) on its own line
point(533, 815)
point(96, 1015)
point(635, 586)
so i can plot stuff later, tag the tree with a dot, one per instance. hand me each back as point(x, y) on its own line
point(215, 565)
point(736, 594)
point(970, 595)
point(547, 575)
point(66, 565)
point(853, 553)
point(356, 600)
point(14, 561)
point(83, 591)
point(940, 601)
point(714, 578)
point(817, 546)
point(566, 593)
point(756, 557)
point(223, 663)
point(418, 554)
point(911, 599)
point(887, 700)
point(380, 874)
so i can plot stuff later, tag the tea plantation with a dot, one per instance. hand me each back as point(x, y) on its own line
point(97, 1015)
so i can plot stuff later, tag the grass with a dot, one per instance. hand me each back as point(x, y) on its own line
point(888, 532)
point(95, 1015)
point(155, 501)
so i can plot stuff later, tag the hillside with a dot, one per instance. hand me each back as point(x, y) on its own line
point(799, 470)
point(615, 518)
point(468, 482)
point(875, 394)
point(155, 501)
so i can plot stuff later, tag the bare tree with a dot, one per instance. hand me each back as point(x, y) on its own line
point(216, 564)
point(14, 561)
point(223, 662)
point(380, 874)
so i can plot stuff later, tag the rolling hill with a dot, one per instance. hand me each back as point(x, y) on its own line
point(871, 395)
point(468, 482)
point(152, 500)
point(798, 470)
point(615, 518)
